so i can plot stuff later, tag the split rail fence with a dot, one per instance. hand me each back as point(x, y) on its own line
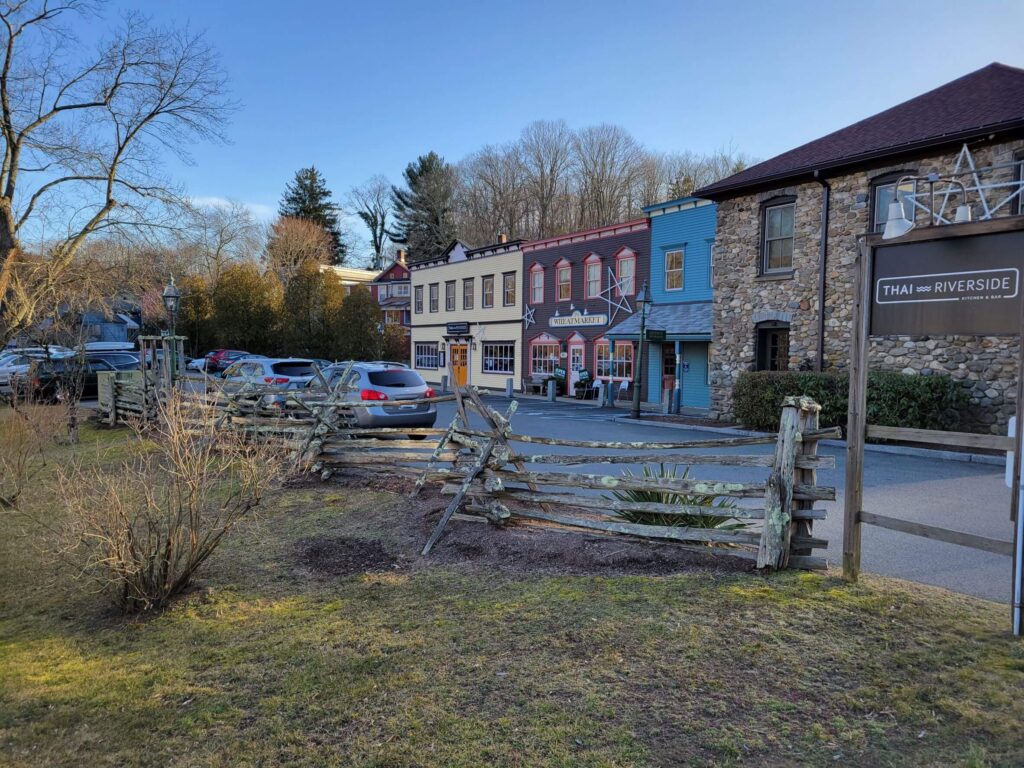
point(491, 472)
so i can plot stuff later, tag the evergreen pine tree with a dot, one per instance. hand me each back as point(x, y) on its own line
point(423, 210)
point(307, 197)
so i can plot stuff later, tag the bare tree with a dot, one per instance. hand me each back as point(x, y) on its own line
point(82, 130)
point(492, 194)
point(292, 242)
point(371, 202)
point(546, 151)
point(606, 165)
point(218, 235)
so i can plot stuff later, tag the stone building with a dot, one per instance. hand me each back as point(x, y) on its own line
point(784, 292)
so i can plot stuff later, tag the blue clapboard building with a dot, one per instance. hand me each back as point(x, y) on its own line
point(682, 273)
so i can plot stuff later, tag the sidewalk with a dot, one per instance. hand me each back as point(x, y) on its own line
point(899, 450)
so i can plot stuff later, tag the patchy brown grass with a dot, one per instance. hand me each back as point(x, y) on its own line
point(318, 637)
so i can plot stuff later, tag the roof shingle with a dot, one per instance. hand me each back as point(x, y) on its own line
point(989, 99)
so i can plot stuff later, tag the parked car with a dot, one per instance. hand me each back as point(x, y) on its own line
point(109, 346)
point(52, 380)
point(198, 364)
point(219, 359)
point(263, 372)
point(120, 361)
point(11, 365)
point(384, 383)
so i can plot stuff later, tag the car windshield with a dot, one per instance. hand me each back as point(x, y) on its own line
point(397, 377)
point(293, 368)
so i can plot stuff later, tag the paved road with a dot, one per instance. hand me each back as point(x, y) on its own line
point(959, 495)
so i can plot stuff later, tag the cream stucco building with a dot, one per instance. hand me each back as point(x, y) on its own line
point(467, 306)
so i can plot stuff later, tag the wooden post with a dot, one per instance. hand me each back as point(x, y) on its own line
point(853, 494)
point(467, 483)
point(778, 513)
point(807, 423)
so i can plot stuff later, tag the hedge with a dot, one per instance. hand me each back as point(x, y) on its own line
point(894, 399)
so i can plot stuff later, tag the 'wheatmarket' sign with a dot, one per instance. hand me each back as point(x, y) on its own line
point(966, 285)
point(577, 319)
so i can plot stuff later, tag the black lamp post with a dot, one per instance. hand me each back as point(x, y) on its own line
point(642, 302)
point(172, 302)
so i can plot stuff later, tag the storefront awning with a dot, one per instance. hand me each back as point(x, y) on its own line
point(681, 322)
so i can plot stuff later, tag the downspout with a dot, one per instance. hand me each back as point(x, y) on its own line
point(826, 195)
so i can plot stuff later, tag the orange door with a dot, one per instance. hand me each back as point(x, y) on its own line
point(460, 358)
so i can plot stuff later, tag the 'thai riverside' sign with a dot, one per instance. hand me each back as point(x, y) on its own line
point(968, 286)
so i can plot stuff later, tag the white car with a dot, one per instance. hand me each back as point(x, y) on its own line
point(11, 366)
point(199, 364)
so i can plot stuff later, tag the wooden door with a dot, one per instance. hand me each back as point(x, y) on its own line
point(460, 360)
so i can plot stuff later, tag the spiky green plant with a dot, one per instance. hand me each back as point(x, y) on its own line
point(667, 496)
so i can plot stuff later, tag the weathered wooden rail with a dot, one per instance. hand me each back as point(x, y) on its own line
point(492, 478)
point(513, 479)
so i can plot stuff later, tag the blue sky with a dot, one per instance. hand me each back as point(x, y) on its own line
point(362, 88)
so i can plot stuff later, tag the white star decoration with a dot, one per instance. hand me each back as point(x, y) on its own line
point(528, 317)
point(613, 294)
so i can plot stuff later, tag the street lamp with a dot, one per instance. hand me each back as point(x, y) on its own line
point(172, 302)
point(643, 300)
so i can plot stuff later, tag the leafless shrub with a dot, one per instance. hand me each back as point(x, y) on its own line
point(141, 531)
point(26, 431)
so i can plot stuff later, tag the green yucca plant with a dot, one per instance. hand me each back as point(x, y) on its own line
point(666, 496)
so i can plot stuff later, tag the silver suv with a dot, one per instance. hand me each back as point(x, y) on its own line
point(264, 372)
point(388, 385)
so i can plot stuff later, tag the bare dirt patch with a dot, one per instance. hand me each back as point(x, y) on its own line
point(390, 537)
point(345, 556)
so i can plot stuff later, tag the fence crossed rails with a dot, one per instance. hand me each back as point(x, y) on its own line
point(491, 472)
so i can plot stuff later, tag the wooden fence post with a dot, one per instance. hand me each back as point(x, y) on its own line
point(778, 503)
point(802, 529)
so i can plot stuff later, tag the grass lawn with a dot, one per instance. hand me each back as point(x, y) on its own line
point(278, 659)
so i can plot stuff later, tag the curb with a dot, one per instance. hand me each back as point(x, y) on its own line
point(899, 450)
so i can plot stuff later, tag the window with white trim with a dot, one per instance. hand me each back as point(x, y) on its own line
point(537, 285)
point(467, 292)
point(508, 289)
point(400, 289)
point(674, 270)
point(626, 266)
point(777, 253)
point(499, 357)
point(419, 300)
point(449, 296)
point(711, 263)
point(487, 287)
point(602, 360)
point(622, 360)
point(433, 297)
point(544, 357)
point(593, 284)
point(564, 276)
point(426, 355)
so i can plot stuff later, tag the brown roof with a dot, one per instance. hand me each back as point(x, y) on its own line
point(982, 102)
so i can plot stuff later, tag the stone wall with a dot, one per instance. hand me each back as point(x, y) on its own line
point(743, 297)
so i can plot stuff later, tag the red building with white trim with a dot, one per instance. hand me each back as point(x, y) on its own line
point(579, 285)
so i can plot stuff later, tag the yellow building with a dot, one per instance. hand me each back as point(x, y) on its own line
point(467, 305)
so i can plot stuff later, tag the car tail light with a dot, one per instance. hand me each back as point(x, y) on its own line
point(275, 380)
point(372, 394)
point(429, 393)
